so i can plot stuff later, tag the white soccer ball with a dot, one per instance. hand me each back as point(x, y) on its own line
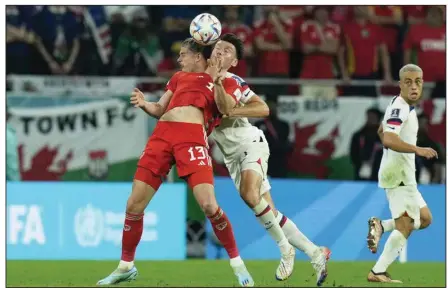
point(205, 29)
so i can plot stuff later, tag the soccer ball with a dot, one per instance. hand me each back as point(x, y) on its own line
point(205, 29)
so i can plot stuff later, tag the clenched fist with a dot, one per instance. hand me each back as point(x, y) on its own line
point(138, 98)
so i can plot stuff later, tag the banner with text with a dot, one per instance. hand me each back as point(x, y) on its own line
point(84, 221)
point(89, 141)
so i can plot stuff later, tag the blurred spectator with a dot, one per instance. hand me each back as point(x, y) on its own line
point(320, 43)
point(276, 132)
point(233, 24)
point(415, 14)
point(293, 12)
point(428, 171)
point(19, 40)
point(342, 14)
point(169, 65)
point(358, 59)
point(273, 39)
point(176, 24)
point(427, 40)
point(366, 149)
point(138, 50)
point(389, 18)
point(59, 31)
point(12, 159)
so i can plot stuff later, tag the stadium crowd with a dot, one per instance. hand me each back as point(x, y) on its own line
point(310, 42)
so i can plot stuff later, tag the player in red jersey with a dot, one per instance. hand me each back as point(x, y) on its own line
point(179, 137)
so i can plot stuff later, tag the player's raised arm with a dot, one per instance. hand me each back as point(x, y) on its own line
point(227, 91)
point(254, 106)
point(154, 109)
point(225, 101)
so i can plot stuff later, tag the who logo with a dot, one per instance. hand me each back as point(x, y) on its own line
point(98, 165)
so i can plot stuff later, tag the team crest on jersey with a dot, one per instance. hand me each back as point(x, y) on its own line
point(98, 164)
point(395, 113)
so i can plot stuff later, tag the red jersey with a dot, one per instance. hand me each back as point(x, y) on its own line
point(245, 34)
point(361, 43)
point(197, 90)
point(272, 62)
point(416, 11)
point(318, 65)
point(429, 43)
point(389, 32)
point(342, 14)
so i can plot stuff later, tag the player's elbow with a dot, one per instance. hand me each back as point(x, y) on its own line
point(225, 108)
point(264, 110)
point(389, 139)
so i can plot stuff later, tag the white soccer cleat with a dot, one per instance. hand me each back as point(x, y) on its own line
point(319, 263)
point(286, 266)
point(119, 276)
point(244, 277)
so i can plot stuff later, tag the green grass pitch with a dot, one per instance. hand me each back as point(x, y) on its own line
point(203, 273)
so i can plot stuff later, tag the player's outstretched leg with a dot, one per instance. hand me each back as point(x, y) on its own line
point(204, 194)
point(319, 256)
point(132, 233)
point(394, 244)
point(250, 185)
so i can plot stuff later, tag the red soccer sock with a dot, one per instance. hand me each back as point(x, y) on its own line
point(132, 233)
point(223, 230)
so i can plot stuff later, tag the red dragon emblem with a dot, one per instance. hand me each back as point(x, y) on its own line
point(41, 163)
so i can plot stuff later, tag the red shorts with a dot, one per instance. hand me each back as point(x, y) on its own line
point(183, 144)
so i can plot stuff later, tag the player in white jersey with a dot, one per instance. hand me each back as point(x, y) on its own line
point(398, 133)
point(246, 154)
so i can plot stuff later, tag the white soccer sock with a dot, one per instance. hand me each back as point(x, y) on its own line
point(388, 225)
point(295, 236)
point(236, 262)
point(266, 217)
point(126, 266)
point(391, 251)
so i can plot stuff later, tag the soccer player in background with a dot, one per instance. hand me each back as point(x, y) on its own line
point(398, 133)
point(179, 137)
point(246, 154)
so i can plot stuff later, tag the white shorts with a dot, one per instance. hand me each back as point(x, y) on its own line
point(405, 199)
point(253, 156)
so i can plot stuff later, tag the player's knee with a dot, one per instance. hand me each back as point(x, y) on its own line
point(135, 205)
point(404, 225)
point(425, 218)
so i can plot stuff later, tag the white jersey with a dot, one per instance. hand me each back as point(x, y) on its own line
point(233, 132)
point(400, 118)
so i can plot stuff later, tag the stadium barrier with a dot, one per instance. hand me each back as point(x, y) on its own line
point(84, 221)
point(330, 213)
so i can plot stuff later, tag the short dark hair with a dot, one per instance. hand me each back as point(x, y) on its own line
point(375, 111)
point(238, 43)
point(195, 47)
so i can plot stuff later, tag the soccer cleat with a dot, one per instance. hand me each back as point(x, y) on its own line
point(119, 276)
point(244, 278)
point(374, 234)
point(319, 263)
point(286, 266)
point(381, 278)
